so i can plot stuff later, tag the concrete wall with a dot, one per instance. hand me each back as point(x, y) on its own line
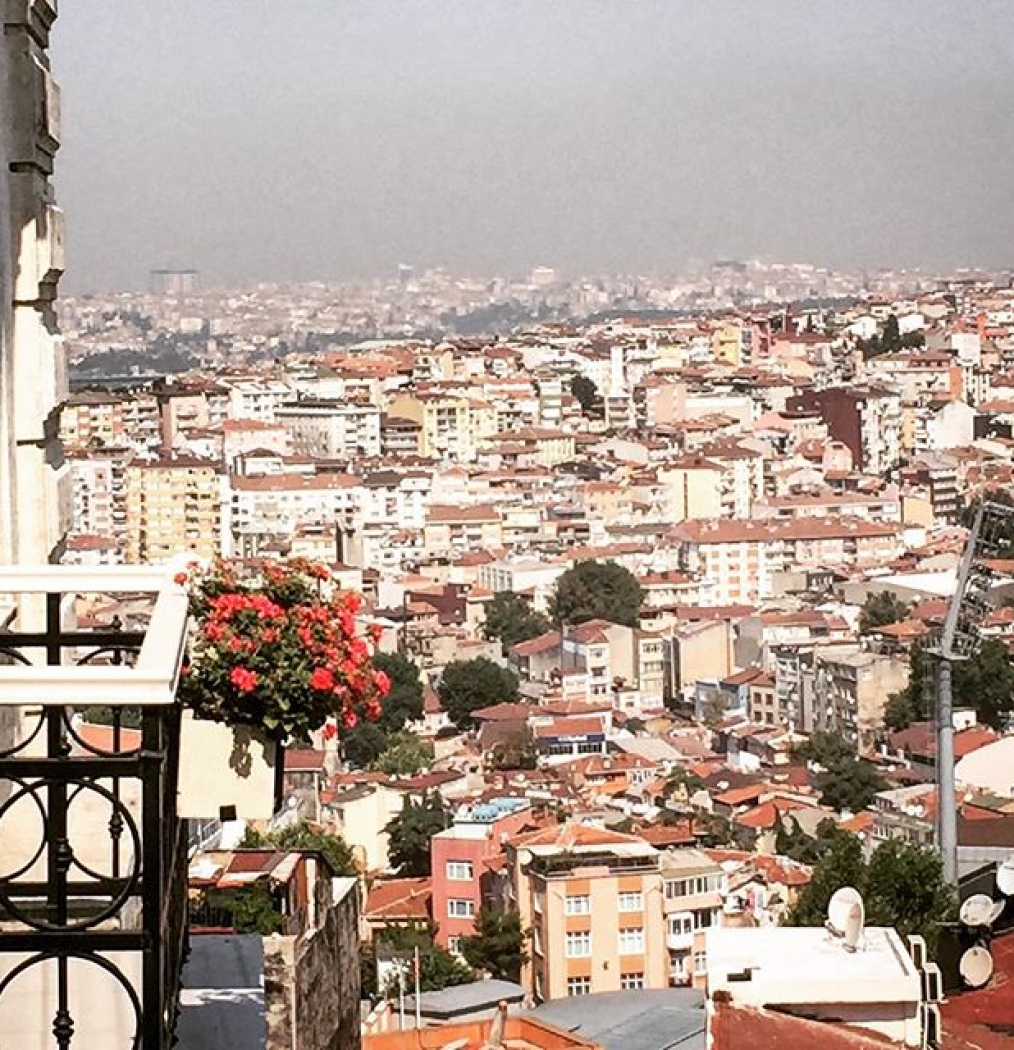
point(311, 982)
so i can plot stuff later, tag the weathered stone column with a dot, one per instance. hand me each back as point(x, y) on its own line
point(34, 481)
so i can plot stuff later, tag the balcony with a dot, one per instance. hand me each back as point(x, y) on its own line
point(93, 878)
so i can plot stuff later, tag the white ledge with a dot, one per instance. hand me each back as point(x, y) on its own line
point(152, 680)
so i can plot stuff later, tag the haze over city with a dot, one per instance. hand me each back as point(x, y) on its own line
point(319, 140)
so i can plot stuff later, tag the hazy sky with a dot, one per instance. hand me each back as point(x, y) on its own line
point(304, 139)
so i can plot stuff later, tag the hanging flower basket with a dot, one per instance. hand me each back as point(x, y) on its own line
point(275, 657)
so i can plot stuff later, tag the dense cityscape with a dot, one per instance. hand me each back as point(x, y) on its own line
point(497, 662)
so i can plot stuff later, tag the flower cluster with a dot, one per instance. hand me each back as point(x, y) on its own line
point(279, 650)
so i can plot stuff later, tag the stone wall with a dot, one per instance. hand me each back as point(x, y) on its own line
point(34, 480)
point(311, 982)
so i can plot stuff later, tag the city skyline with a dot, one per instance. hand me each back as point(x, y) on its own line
point(334, 143)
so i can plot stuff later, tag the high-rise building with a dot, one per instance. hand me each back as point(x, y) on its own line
point(174, 283)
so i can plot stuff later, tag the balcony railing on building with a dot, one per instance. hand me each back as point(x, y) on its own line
point(93, 859)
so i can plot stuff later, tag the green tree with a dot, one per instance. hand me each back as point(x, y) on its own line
point(984, 682)
point(511, 619)
point(404, 755)
point(841, 864)
point(364, 745)
point(879, 610)
point(793, 842)
point(517, 750)
point(410, 832)
point(586, 392)
point(303, 835)
point(254, 910)
point(497, 946)
point(905, 888)
point(593, 590)
point(467, 685)
point(902, 886)
point(404, 703)
point(845, 780)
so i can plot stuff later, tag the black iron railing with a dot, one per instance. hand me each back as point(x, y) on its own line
point(60, 913)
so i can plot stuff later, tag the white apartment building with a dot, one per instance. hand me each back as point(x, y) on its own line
point(330, 429)
point(257, 398)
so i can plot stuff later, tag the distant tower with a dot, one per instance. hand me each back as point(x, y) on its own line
point(543, 276)
point(174, 283)
point(405, 274)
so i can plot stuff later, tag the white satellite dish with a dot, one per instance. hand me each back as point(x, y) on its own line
point(854, 925)
point(1005, 877)
point(976, 967)
point(839, 908)
point(978, 910)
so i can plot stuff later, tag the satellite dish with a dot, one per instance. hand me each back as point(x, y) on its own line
point(854, 925)
point(978, 910)
point(1005, 878)
point(976, 967)
point(839, 909)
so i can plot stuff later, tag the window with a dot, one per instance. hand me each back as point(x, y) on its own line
point(537, 940)
point(538, 900)
point(705, 917)
point(458, 908)
point(631, 901)
point(578, 905)
point(700, 962)
point(454, 945)
point(630, 982)
point(578, 985)
point(632, 941)
point(578, 945)
point(459, 870)
point(691, 886)
point(680, 925)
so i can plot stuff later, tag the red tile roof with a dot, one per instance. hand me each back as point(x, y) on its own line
point(399, 899)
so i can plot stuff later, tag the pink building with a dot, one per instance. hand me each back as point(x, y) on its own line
point(459, 860)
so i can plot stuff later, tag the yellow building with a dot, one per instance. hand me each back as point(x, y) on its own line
point(174, 504)
point(451, 426)
point(593, 901)
point(727, 344)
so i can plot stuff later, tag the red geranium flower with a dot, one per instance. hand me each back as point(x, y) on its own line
point(243, 679)
point(322, 678)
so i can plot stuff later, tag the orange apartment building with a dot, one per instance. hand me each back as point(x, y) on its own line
point(592, 900)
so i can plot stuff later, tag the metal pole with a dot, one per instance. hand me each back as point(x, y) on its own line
point(947, 818)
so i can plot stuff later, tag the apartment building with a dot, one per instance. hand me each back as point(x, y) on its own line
point(459, 859)
point(191, 406)
point(257, 398)
point(850, 688)
point(101, 419)
point(452, 531)
point(592, 899)
point(331, 429)
point(744, 558)
point(451, 425)
point(693, 886)
point(867, 420)
point(174, 504)
point(98, 486)
point(271, 507)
